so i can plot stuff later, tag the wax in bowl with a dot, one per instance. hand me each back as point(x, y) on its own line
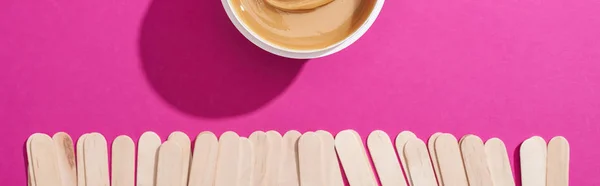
point(247, 27)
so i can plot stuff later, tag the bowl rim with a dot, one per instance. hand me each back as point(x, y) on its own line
point(300, 54)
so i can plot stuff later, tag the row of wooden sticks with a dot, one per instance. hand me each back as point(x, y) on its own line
point(309, 159)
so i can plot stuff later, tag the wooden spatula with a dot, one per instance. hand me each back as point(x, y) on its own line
point(45, 168)
point(204, 160)
point(533, 162)
point(184, 142)
point(148, 145)
point(311, 160)
point(558, 162)
point(170, 164)
point(475, 161)
point(274, 157)
point(385, 159)
point(81, 161)
point(228, 160)
point(96, 160)
point(123, 161)
point(246, 156)
point(354, 159)
point(66, 158)
point(261, 149)
point(498, 162)
point(289, 159)
point(333, 174)
point(418, 163)
point(433, 156)
point(450, 161)
point(30, 177)
point(401, 140)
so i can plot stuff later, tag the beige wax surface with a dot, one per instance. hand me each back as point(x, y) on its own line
point(304, 30)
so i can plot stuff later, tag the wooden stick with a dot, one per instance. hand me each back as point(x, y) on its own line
point(148, 145)
point(449, 158)
point(228, 160)
point(462, 138)
point(184, 142)
point(558, 162)
point(289, 162)
point(333, 174)
point(401, 140)
point(169, 165)
point(498, 162)
point(385, 159)
point(274, 157)
point(96, 160)
point(482, 164)
point(66, 158)
point(475, 161)
point(204, 160)
point(311, 160)
point(123, 161)
point(354, 159)
point(246, 159)
point(418, 163)
point(81, 161)
point(30, 177)
point(45, 168)
point(533, 162)
point(433, 156)
point(261, 149)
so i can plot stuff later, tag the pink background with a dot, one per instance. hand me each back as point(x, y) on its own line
point(503, 68)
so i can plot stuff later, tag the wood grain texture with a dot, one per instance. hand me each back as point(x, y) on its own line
point(400, 141)
point(81, 160)
point(419, 164)
point(433, 156)
point(96, 160)
point(66, 158)
point(245, 165)
point(123, 161)
point(228, 160)
point(169, 165)
point(558, 162)
point(289, 159)
point(475, 161)
point(204, 160)
point(450, 161)
point(353, 157)
point(184, 142)
point(332, 165)
point(45, 166)
point(498, 162)
point(311, 160)
point(385, 160)
point(147, 158)
point(261, 149)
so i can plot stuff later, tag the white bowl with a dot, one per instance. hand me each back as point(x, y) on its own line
point(300, 54)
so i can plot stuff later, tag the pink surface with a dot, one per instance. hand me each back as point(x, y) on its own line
point(505, 68)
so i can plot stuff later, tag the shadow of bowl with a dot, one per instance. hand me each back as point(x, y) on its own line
point(198, 62)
